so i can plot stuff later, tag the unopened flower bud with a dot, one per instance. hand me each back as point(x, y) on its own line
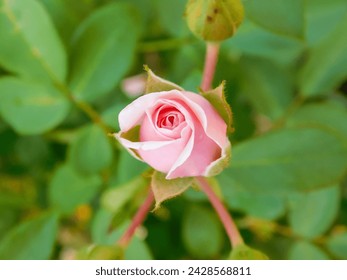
point(214, 20)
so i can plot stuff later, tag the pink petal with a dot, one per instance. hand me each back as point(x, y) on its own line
point(200, 153)
point(149, 129)
point(214, 125)
point(163, 158)
point(132, 115)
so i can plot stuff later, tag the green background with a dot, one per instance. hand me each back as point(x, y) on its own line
point(68, 190)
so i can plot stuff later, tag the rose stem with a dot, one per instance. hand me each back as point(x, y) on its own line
point(211, 59)
point(225, 217)
point(138, 219)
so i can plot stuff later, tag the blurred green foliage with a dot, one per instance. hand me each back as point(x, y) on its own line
point(67, 190)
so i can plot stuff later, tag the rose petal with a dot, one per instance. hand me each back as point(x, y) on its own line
point(132, 115)
point(149, 129)
point(217, 166)
point(185, 154)
point(200, 153)
point(210, 141)
point(164, 157)
point(146, 145)
point(214, 125)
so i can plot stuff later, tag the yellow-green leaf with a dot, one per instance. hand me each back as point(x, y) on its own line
point(115, 199)
point(103, 50)
point(31, 107)
point(30, 46)
point(91, 150)
point(31, 240)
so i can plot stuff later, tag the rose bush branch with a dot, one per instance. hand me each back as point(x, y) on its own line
point(211, 59)
point(138, 219)
point(226, 219)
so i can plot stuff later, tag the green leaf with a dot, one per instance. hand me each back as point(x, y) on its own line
point(327, 115)
point(280, 16)
point(322, 17)
point(217, 98)
point(68, 189)
point(190, 56)
point(138, 250)
point(109, 116)
point(244, 124)
point(91, 150)
point(115, 199)
point(326, 67)
point(145, 10)
point(128, 168)
point(268, 87)
point(30, 46)
point(170, 15)
point(156, 84)
point(192, 81)
point(264, 206)
point(100, 227)
point(32, 151)
point(252, 40)
point(287, 160)
point(8, 218)
point(31, 108)
point(202, 233)
point(31, 240)
point(66, 15)
point(103, 50)
point(311, 214)
point(337, 245)
point(101, 252)
point(164, 189)
point(244, 252)
point(303, 250)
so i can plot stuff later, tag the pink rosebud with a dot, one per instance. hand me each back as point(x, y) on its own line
point(176, 132)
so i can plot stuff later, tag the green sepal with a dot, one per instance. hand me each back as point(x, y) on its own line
point(217, 98)
point(244, 252)
point(157, 84)
point(164, 189)
point(132, 135)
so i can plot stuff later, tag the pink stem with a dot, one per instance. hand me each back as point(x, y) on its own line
point(138, 219)
point(225, 217)
point(211, 59)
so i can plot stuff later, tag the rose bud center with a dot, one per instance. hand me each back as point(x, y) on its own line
point(170, 118)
